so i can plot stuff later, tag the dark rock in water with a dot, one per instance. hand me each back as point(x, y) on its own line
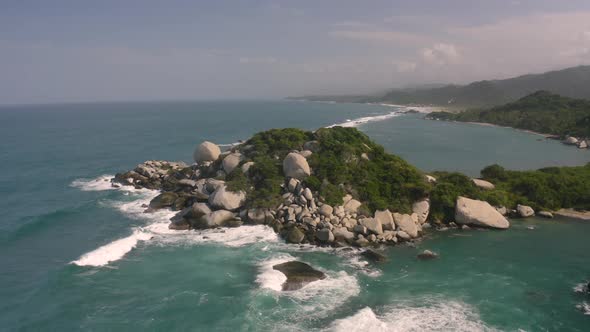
point(298, 274)
point(427, 254)
point(165, 199)
point(295, 235)
point(374, 256)
point(179, 225)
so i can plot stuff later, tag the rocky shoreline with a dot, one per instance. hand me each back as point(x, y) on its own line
point(204, 199)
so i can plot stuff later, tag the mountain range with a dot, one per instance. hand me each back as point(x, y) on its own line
point(571, 82)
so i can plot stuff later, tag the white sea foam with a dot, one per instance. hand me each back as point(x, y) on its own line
point(585, 307)
point(231, 237)
point(432, 316)
point(229, 144)
point(156, 228)
point(315, 299)
point(270, 278)
point(420, 109)
point(581, 288)
point(100, 183)
point(359, 121)
point(113, 251)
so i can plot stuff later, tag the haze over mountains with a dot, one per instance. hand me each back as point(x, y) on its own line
point(571, 82)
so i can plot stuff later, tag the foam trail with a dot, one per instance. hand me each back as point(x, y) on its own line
point(581, 288)
point(366, 119)
point(230, 144)
point(100, 183)
point(585, 307)
point(433, 316)
point(156, 228)
point(112, 251)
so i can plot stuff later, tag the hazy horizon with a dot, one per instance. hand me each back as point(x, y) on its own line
point(114, 51)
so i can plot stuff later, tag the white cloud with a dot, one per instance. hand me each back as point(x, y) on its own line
point(403, 66)
point(379, 36)
point(440, 54)
point(258, 60)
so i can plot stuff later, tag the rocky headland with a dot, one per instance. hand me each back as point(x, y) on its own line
point(330, 187)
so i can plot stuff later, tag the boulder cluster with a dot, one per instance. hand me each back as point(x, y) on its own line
point(582, 143)
point(302, 217)
point(203, 199)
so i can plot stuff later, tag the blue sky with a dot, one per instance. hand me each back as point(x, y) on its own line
point(59, 51)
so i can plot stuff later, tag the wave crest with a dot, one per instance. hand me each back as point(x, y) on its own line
point(433, 316)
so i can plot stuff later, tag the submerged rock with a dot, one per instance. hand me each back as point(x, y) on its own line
point(427, 254)
point(478, 213)
point(374, 256)
point(298, 274)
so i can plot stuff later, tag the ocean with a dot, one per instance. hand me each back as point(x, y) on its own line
point(77, 254)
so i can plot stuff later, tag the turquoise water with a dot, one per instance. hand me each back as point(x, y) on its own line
point(57, 209)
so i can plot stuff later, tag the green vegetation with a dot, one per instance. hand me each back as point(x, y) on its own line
point(541, 112)
point(545, 189)
point(348, 159)
point(277, 142)
point(549, 188)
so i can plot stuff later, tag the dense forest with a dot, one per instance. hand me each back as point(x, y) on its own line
point(541, 112)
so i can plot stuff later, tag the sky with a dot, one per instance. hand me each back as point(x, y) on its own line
point(111, 50)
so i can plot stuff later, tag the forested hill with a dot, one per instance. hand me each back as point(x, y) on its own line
point(571, 82)
point(541, 112)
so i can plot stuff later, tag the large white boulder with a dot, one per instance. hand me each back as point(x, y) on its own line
point(406, 224)
point(224, 199)
point(478, 213)
point(483, 184)
point(373, 225)
point(218, 218)
point(422, 209)
point(525, 211)
point(296, 166)
point(342, 233)
point(386, 220)
point(352, 206)
point(571, 140)
point(231, 161)
point(206, 151)
point(246, 167)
